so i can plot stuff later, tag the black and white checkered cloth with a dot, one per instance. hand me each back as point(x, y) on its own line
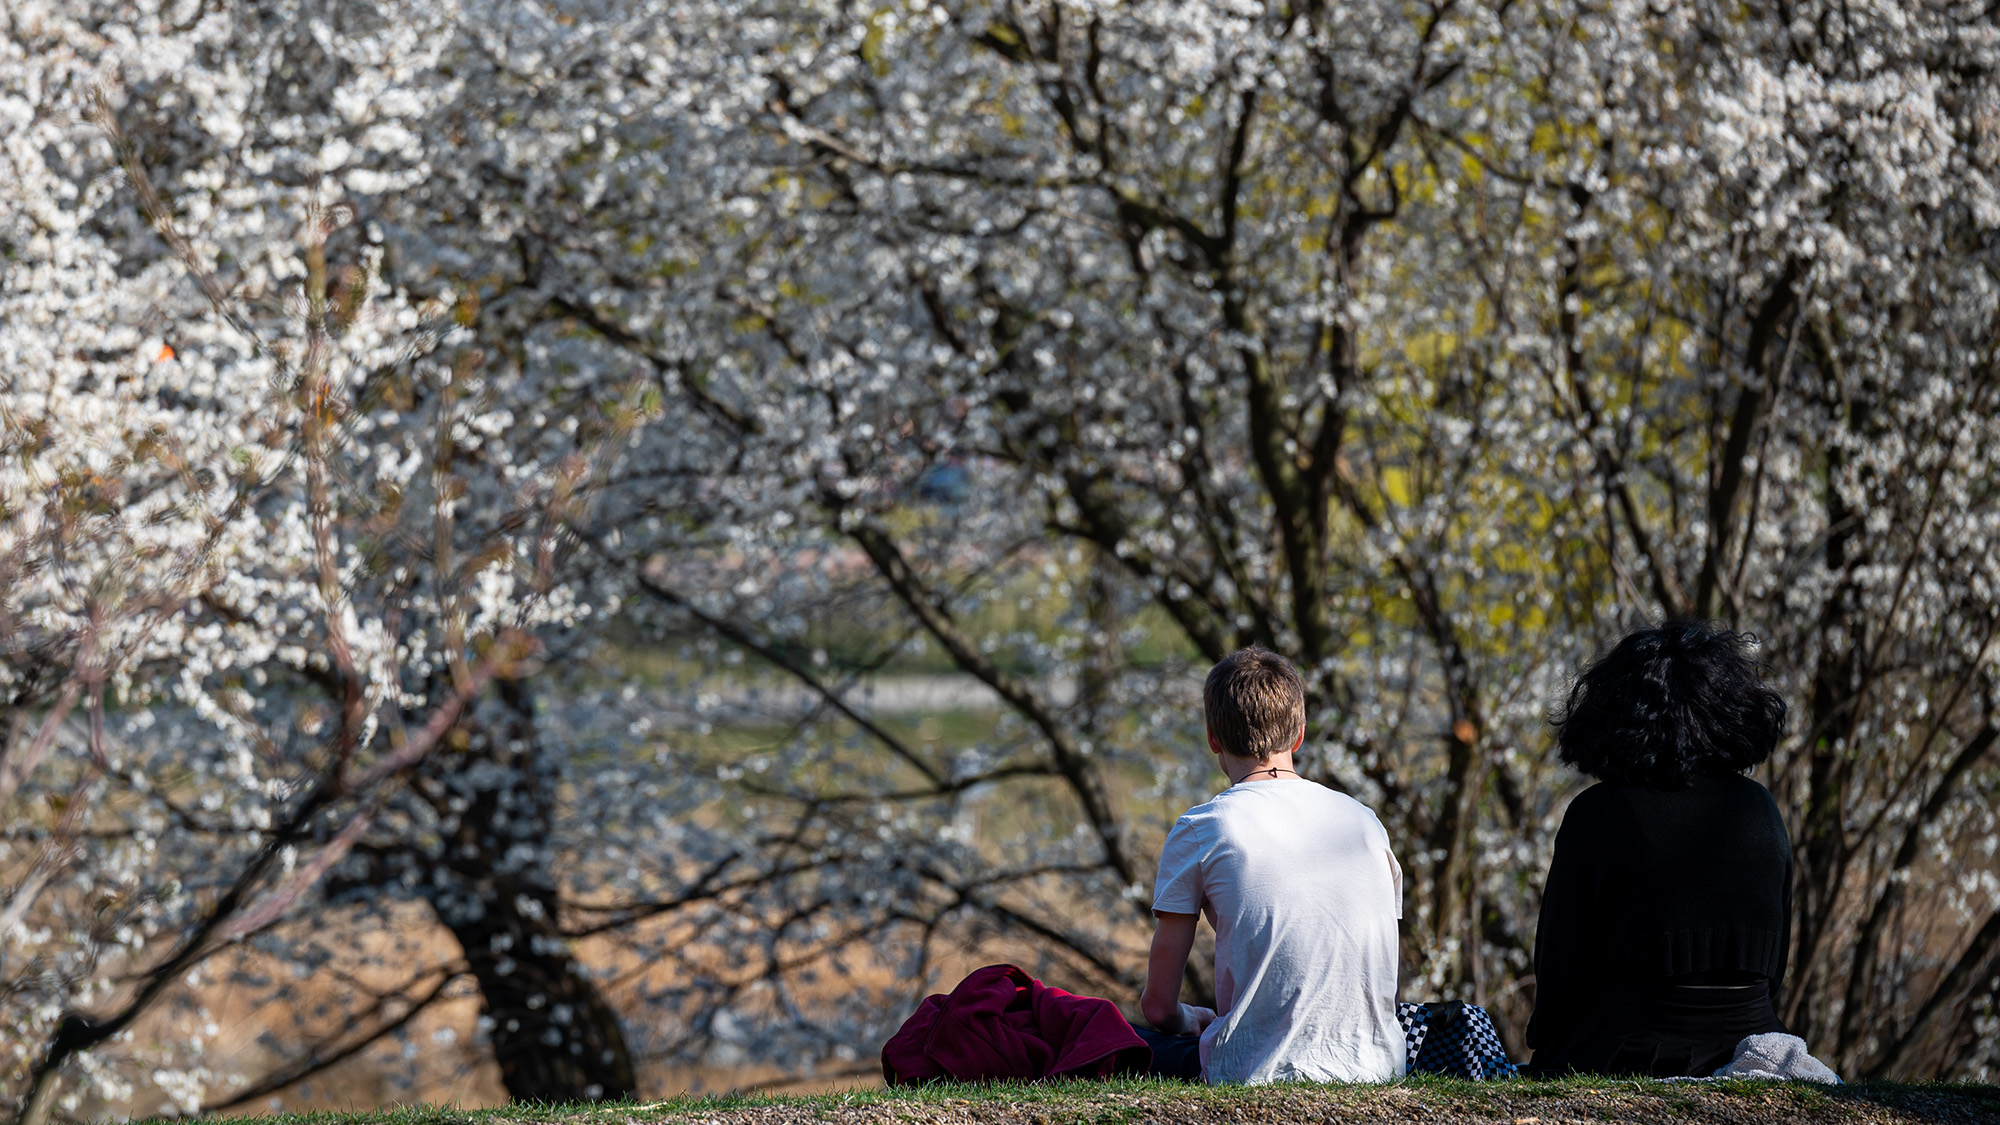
point(1454, 1038)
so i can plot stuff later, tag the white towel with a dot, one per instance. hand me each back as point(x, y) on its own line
point(1774, 1055)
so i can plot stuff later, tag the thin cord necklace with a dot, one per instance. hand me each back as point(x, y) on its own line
point(1274, 771)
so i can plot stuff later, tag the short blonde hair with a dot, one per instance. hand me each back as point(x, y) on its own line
point(1255, 704)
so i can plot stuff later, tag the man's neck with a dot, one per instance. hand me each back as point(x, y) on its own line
point(1239, 770)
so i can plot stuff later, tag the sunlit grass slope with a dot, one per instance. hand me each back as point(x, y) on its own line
point(1425, 1099)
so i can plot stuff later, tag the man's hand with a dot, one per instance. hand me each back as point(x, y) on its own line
point(1160, 1003)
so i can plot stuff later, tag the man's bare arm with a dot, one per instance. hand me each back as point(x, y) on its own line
point(1160, 1003)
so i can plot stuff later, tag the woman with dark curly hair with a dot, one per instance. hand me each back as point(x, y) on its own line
point(1667, 911)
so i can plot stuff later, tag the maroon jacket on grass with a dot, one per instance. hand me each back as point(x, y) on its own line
point(1002, 1023)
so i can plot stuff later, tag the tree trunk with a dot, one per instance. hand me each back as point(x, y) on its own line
point(554, 1036)
point(1821, 842)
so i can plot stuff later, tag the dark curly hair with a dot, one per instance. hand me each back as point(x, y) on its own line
point(1668, 705)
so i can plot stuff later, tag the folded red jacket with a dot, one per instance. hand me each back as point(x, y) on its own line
point(1002, 1023)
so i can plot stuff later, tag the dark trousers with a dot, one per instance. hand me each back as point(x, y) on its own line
point(1674, 1031)
point(1174, 1056)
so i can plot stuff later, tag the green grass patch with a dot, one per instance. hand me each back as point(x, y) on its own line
point(1439, 1101)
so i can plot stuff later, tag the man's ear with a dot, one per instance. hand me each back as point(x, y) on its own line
point(1301, 740)
point(1214, 747)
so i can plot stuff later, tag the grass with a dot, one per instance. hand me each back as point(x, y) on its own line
point(1437, 1101)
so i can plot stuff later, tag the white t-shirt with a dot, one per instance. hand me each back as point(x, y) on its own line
point(1303, 892)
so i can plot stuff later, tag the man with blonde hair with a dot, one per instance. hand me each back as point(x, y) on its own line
point(1303, 894)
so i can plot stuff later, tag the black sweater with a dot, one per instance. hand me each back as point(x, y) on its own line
point(1652, 885)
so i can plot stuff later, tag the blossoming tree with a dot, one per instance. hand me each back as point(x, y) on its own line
point(1071, 344)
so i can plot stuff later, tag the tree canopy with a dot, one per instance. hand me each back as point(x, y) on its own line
point(383, 385)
